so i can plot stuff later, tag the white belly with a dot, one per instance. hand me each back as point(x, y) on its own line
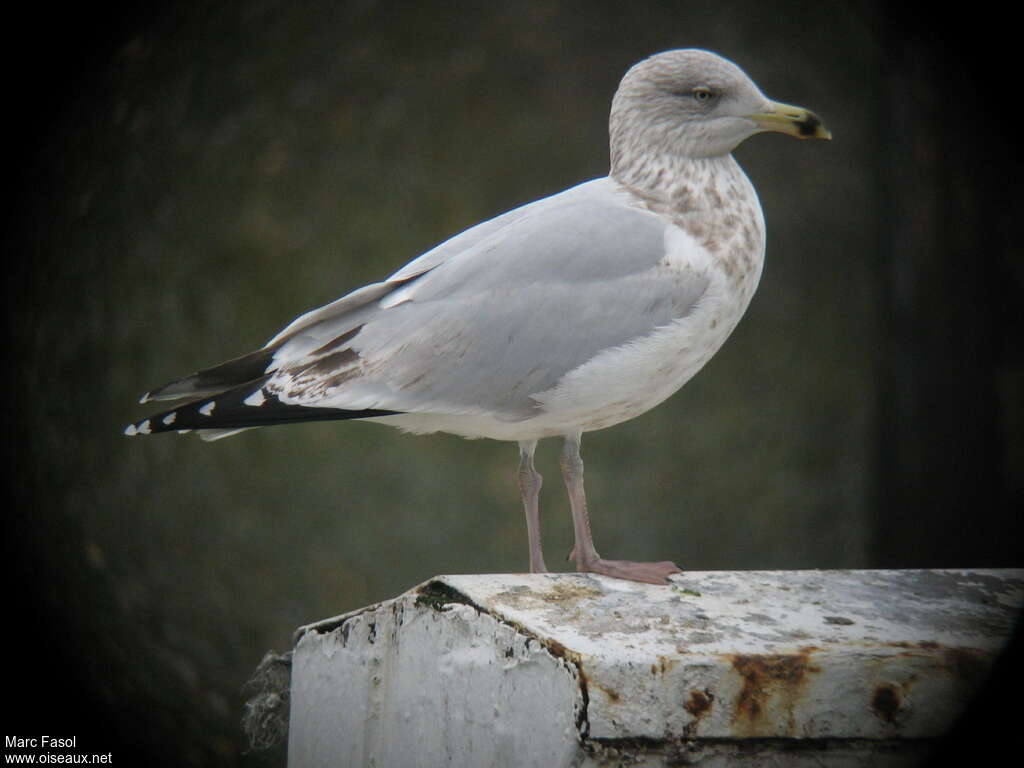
point(624, 382)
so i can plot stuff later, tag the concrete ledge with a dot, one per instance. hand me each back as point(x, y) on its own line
point(831, 668)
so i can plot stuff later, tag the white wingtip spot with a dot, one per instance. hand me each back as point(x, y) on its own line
point(145, 398)
point(207, 409)
point(256, 399)
point(131, 431)
point(144, 428)
point(169, 418)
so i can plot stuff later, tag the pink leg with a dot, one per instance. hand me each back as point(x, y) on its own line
point(529, 486)
point(584, 552)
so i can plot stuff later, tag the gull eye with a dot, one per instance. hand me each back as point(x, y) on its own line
point(703, 94)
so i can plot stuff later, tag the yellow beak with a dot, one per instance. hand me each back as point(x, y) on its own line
point(795, 121)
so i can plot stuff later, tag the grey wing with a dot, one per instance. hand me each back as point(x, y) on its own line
point(501, 319)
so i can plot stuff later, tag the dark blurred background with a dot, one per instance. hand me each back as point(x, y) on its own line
point(188, 180)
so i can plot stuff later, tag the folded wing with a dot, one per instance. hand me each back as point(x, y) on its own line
point(480, 324)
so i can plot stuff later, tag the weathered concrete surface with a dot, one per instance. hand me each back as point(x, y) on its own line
point(835, 668)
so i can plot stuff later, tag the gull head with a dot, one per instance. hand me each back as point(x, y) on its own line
point(694, 103)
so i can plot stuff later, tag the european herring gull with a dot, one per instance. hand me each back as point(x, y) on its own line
point(570, 314)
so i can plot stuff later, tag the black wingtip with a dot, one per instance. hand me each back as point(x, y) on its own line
point(242, 408)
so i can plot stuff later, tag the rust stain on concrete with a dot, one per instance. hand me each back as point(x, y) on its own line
point(698, 705)
point(770, 691)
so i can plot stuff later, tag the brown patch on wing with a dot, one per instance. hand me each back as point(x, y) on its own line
point(316, 378)
point(337, 343)
point(329, 364)
point(341, 377)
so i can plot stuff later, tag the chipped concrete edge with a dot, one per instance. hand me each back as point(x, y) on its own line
point(437, 594)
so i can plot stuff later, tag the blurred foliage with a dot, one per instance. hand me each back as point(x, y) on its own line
point(228, 166)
